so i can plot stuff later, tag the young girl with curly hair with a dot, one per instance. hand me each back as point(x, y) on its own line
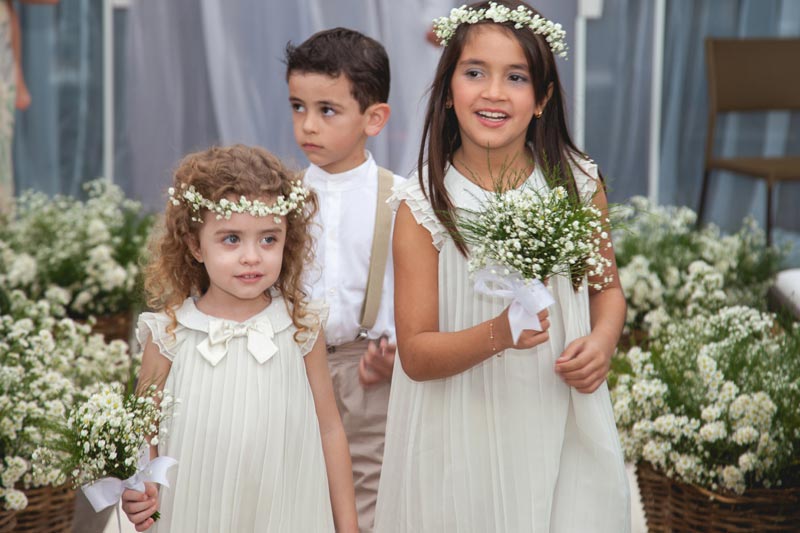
point(258, 439)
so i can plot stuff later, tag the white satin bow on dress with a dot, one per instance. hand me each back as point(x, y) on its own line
point(259, 335)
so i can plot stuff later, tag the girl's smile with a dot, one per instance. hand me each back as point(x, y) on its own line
point(492, 94)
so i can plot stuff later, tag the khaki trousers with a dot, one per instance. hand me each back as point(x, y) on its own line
point(363, 411)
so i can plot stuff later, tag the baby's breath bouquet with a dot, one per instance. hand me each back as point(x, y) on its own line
point(713, 400)
point(46, 360)
point(89, 248)
point(103, 446)
point(520, 237)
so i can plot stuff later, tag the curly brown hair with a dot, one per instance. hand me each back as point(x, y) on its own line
point(172, 273)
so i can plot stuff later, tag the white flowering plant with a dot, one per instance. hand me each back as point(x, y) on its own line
point(537, 233)
point(46, 361)
point(668, 267)
point(90, 248)
point(107, 435)
point(713, 401)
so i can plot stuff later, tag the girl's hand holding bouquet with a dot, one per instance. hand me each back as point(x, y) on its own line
point(520, 237)
point(104, 445)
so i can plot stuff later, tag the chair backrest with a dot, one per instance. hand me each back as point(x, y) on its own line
point(753, 74)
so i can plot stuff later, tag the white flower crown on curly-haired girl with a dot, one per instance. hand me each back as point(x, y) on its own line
point(522, 17)
point(225, 208)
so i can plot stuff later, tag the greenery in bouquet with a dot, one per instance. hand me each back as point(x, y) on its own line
point(91, 248)
point(46, 362)
point(106, 435)
point(713, 400)
point(537, 233)
point(668, 267)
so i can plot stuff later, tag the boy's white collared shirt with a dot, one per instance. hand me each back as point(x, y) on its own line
point(343, 244)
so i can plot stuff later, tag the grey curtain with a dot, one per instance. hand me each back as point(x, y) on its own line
point(212, 72)
point(58, 140)
point(618, 104)
point(686, 109)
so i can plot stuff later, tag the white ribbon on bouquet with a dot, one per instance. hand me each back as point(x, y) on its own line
point(108, 490)
point(529, 297)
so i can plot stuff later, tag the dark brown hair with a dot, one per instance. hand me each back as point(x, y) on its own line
point(339, 51)
point(172, 274)
point(552, 145)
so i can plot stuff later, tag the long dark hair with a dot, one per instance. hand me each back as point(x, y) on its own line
point(553, 148)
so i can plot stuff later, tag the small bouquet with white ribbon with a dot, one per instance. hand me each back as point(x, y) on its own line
point(104, 445)
point(523, 236)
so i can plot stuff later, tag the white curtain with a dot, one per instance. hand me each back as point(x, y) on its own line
point(213, 72)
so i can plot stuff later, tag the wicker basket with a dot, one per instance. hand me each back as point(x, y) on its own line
point(671, 506)
point(49, 509)
point(8, 521)
point(114, 327)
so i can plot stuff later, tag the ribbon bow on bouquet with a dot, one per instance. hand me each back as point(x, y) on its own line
point(108, 490)
point(259, 335)
point(528, 297)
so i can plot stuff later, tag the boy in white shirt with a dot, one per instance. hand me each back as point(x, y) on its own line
point(338, 89)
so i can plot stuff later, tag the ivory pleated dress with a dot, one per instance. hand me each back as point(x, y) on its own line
point(246, 435)
point(505, 446)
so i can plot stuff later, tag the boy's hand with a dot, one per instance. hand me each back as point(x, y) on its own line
point(140, 506)
point(377, 362)
point(585, 364)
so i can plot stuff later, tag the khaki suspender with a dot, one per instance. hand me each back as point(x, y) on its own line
point(378, 255)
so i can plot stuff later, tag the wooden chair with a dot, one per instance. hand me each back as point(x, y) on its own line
point(751, 75)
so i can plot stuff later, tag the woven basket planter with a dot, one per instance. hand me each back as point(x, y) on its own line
point(671, 506)
point(113, 327)
point(49, 509)
point(8, 521)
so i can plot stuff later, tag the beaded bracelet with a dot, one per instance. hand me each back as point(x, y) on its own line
point(491, 336)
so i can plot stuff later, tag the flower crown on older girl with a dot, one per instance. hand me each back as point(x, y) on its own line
point(225, 208)
point(522, 17)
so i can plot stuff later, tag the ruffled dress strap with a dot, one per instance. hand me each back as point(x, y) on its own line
point(154, 326)
point(587, 177)
point(410, 192)
point(315, 319)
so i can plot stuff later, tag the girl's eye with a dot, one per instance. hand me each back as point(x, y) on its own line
point(269, 239)
point(518, 78)
point(328, 111)
point(231, 239)
point(298, 108)
point(472, 73)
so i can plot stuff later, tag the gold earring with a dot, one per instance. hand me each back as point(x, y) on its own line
point(448, 104)
point(538, 115)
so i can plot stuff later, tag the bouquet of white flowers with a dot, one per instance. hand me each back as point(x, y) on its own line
point(45, 362)
point(104, 444)
point(522, 236)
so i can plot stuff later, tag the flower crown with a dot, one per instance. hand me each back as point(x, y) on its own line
point(225, 208)
point(522, 17)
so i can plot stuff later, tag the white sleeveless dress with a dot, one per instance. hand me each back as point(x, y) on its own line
point(246, 434)
point(505, 446)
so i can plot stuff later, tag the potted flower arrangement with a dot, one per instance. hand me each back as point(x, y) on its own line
point(706, 403)
point(668, 267)
point(90, 248)
point(709, 410)
point(47, 361)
